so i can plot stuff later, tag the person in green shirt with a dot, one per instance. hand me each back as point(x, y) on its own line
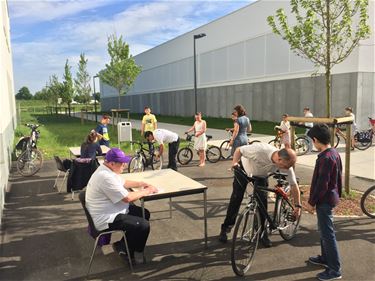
point(149, 122)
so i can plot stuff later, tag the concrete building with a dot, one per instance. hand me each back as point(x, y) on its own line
point(7, 105)
point(242, 61)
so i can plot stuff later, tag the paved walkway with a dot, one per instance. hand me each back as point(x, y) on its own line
point(44, 237)
point(362, 162)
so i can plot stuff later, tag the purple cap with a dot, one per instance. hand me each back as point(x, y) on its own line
point(117, 155)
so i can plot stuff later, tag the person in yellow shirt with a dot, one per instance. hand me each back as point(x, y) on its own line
point(149, 122)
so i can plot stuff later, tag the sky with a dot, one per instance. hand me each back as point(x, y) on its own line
point(44, 34)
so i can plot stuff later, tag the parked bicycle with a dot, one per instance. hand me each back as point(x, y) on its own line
point(30, 159)
point(144, 158)
point(185, 155)
point(226, 148)
point(368, 202)
point(248, 230)
point(362, 139)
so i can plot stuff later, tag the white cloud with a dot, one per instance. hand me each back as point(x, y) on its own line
point(143, 25)
point(31, 11)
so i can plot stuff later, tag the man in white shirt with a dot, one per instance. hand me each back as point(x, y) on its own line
point(162, 136)
point(259, 159)
point(107, 200)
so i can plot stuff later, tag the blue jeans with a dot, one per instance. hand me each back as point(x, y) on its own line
point(330, 252)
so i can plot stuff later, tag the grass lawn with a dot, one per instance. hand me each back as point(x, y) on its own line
point(59, 132)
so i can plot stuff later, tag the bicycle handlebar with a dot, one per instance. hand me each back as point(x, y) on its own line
point(32, 126)
point(279, 176)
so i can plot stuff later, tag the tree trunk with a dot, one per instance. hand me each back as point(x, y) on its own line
point(328, 91)
point(328, 61)
point(119, 100)
point(69, 109)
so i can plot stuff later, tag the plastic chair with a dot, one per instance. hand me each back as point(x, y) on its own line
point(96, 234)
point(60, 168)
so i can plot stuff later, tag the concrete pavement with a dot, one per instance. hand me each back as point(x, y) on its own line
point(44, 237)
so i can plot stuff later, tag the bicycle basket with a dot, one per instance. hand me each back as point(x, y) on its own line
point(364, 136)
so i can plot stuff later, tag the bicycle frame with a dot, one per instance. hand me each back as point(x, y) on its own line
point(146, 159)
point(278, 190)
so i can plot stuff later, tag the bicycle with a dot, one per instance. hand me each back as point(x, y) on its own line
point(225, 147)
point(368, 202)
point(30, 159)
point(185, 155)
point(362, 139)
point(276, 142)
point(302, 143)
point(248, 229)
point(145, 157)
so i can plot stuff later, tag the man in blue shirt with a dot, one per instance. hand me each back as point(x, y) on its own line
point(102, 130)
point(325, 192)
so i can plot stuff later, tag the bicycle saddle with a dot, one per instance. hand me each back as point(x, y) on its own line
point(209, 137)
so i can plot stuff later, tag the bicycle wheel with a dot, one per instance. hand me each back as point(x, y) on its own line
point(337, 140)
point(213, 154)
point(301, 146)
point(287, 224)
point(226, 149)
point(136, 165)
point(29, 162)
point(276, 143)
point(157, 164)
point(364, 143)
point(254, 141)
point(184, 156)
point(245, 240)
point(368, 202)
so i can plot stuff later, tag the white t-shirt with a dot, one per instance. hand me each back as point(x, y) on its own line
point(256, 160)
point(164, 136)
point(104, 194)
point(309, 124)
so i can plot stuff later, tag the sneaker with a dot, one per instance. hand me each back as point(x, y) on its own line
point(317, 260)
point(223, 237)
point(329, 275)
point(119, 248)
point(138, 258)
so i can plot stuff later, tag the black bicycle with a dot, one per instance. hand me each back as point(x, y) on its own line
point(145, 157)
point(185, 154)
point(30, 159)
point(248, 228)
point(368, 202)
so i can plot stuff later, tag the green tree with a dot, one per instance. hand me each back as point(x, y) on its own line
point(42, 94)
point(82, 82)
point(24, 94)
point(67, 91)
point(54, 90)
point(96, 96)
point(326, 32)
point(122, 70)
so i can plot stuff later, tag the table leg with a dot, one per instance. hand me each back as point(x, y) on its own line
point(170, 207)
point(143, 215)
point(205, 216)
point(143, 208)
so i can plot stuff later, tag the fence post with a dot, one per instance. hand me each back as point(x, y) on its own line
point(348, 146)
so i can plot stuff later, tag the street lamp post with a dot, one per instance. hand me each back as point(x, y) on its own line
point(196, 36)
point(96, 113)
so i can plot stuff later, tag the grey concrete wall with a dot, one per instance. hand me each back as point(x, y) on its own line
point(264, 100)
